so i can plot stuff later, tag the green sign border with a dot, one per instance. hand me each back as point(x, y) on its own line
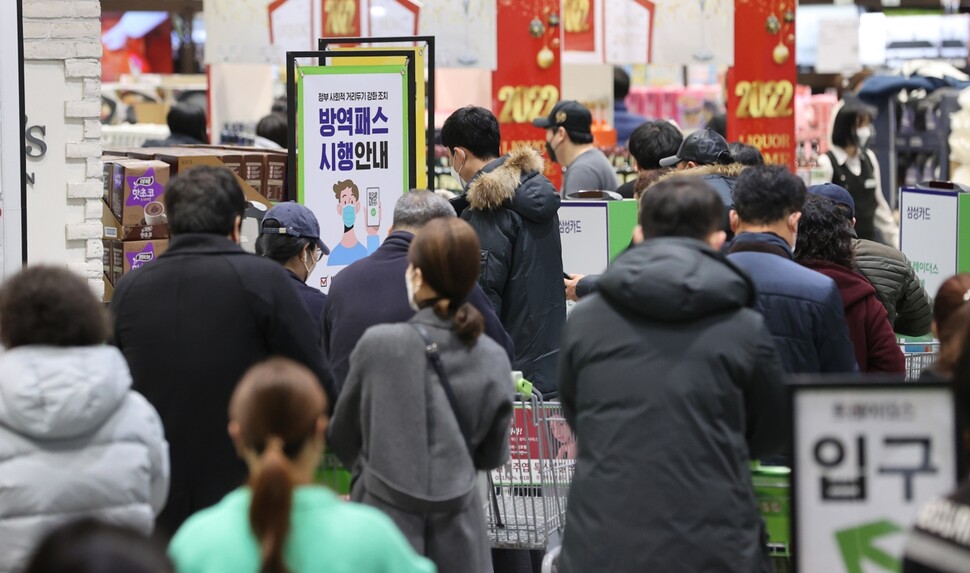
point(347, 71)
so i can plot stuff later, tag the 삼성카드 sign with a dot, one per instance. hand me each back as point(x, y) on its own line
point(353, 157)
point(866, 457)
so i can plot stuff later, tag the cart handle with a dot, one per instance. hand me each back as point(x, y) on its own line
point(524, 387)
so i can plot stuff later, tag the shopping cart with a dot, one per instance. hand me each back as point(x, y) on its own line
point(772, 488)
point(919, 356)
point(525, 506)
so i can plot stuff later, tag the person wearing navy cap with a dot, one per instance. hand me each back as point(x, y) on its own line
point(290, 235)
point(909, 306)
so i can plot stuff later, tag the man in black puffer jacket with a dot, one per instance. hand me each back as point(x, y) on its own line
point(672, 382)
point(515, 211)
point(909, 306)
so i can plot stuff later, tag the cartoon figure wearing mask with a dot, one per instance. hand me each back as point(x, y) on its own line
point(349, 249)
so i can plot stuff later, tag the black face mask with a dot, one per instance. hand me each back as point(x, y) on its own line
point(551, 152)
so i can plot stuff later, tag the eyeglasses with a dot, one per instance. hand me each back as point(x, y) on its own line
point(318, 254)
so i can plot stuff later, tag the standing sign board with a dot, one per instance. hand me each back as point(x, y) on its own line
point(934, 233)
point(353, 140)
point(866, 457)
point(593, 233)
point(12, 160)
point(421, 51)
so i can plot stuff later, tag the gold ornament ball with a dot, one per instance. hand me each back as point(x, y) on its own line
point(780, 54)
point(545, 58)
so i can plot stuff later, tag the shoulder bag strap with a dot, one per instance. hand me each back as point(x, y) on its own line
point(431, 351)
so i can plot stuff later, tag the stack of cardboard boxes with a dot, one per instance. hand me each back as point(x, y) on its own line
point(135, 223)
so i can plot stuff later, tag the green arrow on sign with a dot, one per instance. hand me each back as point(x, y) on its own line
point(856, 546)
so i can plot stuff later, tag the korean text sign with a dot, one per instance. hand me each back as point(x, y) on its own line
point(353, 157)
point(929, 224)
point(866, 458)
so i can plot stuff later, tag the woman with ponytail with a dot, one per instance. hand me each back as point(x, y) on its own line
point(279, 522)
point(427, 403)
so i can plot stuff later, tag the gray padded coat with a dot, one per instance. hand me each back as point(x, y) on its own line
point(394, 426)
point(74, 441)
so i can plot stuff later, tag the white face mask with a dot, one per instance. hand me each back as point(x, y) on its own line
point(411, 289)
point(455, 173)
point(309, 263)
point(863, 134)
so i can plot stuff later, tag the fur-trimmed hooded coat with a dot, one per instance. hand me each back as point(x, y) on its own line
point(515, 211)
point(721, 178)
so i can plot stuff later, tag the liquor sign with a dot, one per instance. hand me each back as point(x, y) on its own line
point(527, 82)
point(761, 85)
point(866, 457)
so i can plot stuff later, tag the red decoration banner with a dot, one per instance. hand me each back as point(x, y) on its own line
point(527, 79)
point(761, 85)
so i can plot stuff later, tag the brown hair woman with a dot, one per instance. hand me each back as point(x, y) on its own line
point(427, 404)
point(279, 522)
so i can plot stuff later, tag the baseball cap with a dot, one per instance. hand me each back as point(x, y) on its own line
point(704, 147)
point(836, 193)
point(569, 114)
point(295, 221)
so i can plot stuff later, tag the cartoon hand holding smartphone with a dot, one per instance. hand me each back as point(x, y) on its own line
point(375, 211)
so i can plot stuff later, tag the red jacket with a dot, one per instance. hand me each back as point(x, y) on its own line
point(876, 349)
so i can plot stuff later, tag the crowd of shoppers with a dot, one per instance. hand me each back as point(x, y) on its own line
point(200, 408)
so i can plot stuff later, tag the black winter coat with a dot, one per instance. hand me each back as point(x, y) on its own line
point(672, 383)
point(190, 324)
point(372, 291)
point(515, 211)
point(909, 306)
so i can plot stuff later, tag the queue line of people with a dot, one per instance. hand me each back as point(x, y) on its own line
point(225, 348)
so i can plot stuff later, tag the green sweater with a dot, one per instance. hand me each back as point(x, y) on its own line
point(326, 534)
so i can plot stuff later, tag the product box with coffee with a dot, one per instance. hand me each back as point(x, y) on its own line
point(115, 230)
point(127, 256)
point(137, 192)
